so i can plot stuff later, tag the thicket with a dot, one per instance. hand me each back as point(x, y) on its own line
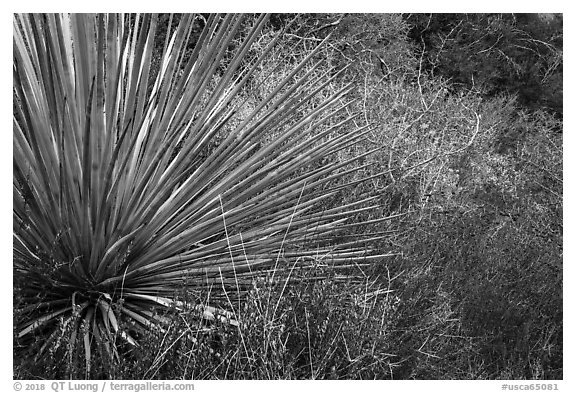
point(516, 54)
point(464, 155)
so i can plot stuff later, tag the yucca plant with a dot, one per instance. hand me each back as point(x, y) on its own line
point(132, 184)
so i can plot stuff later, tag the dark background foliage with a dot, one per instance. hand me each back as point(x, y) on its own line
point(495, 53)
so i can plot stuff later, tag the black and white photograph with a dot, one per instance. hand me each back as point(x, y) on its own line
point(287, 196)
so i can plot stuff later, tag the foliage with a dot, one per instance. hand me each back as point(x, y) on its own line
point(308, 330)
point(463, 155)
point(493, 254)
point(495, 53)
point(123, 193)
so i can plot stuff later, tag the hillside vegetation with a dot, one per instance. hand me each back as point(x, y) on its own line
point(315, 196)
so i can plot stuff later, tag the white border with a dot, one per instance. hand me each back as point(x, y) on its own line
point(293, 6)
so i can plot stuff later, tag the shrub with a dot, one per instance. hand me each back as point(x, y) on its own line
point(517, 54)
